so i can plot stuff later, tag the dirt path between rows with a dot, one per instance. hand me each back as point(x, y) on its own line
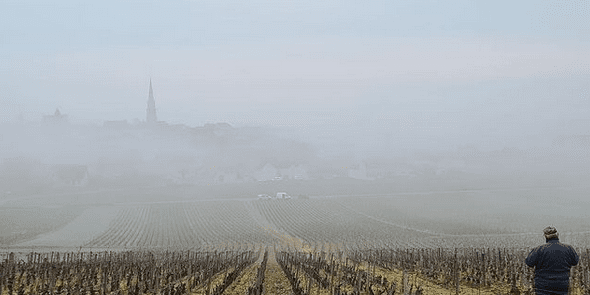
point(283, 237)
point(275, 281)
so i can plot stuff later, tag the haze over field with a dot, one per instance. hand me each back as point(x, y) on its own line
point(126, 102)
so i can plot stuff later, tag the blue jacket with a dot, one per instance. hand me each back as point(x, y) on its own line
point(552, 262)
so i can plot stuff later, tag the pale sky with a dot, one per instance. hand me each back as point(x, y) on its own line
point(403, 69)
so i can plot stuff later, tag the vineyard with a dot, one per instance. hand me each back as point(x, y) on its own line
point(320, 222)
point(330, 223)
point(279, 271)
point(344, 224)
point(181, 226)
point(299, 246)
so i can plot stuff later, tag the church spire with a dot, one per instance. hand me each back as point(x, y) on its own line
point(151, 91)
point(151, 106)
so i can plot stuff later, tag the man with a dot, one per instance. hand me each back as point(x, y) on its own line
point(552, 262)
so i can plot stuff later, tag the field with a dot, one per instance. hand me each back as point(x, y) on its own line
point(278, 270)
point(335, 244)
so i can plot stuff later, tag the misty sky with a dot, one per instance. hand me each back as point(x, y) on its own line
point(428, 72)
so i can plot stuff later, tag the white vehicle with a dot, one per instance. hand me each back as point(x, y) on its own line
point(264, 197)
point(283, 195)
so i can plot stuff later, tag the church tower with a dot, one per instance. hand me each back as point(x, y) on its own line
point(151, 107)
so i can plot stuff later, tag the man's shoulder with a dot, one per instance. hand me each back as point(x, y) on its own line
point(537, 249)
point(568, 246)
point(564, 244)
